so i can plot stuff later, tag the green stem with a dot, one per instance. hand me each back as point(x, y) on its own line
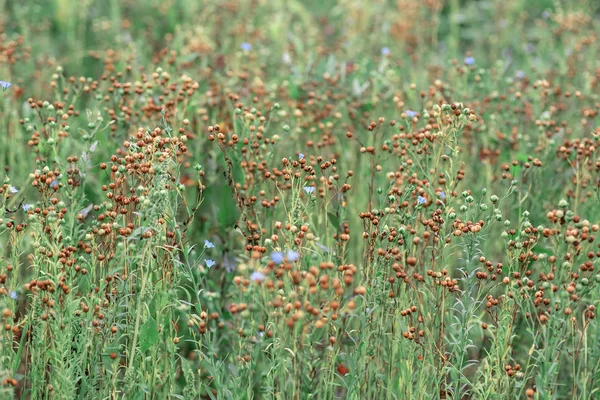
point(138, 313)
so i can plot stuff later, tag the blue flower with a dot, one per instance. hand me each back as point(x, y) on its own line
point(246, 46)
point(208, 244)
point(442, 195)
point(301, 156)
point(469, 60)
point(257, 276)
point(338, 198)
point(292, 255)
point(421, 200)
point(5, 85)
point(12, 189)
point(209, 263)
point(14, 295)
point(322, 247)
point(26, 207)
point(87, 210)
point(385, 51)
point(230, 263)
point(277, 257)
point(309, 189)
point(410, 113)
point(54, 183)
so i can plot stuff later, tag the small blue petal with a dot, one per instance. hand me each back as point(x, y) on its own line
point(301, 156)
point(442, 195)
point(410, 113)
point(230, 263)
point(26, 207)
point(5, 85)
point(257, 276)
point(246, 46)
point(209, 263)
point(292, 255)
point(309, 189)
point(14, 295)
point(12, 189)
point(421, 200)
point(208, 244)
point(322, 247)
point(469, 60)
point(385, 51)
point(277, 257)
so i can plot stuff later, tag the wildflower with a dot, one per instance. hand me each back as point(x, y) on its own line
point(292, 255)
point(12, 189)
point(421, 200)
point(410, 113)
point(442, 195)
point(257, 276)
point(26, 207)
point(338, 199)
point(277, 257)
point(208, 244)
point(469, 60)
point(13, 295)
point(301, 156)
point(309, 189)
point(385, 51)
point(84, 212)
point(209, 263)
point(230, 263)
point(54, 183)
point(5, 85)
point(322, 247)
point(520, 74)
point(246, 46)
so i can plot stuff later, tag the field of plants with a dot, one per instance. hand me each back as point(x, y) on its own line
point(299, 199)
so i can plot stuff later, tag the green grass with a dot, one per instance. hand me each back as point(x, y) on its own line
point(299, 200)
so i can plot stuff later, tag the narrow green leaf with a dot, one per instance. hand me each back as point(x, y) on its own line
point(335, 221)
point(148, 334)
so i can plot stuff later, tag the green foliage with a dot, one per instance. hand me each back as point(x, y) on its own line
point(299, 200)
